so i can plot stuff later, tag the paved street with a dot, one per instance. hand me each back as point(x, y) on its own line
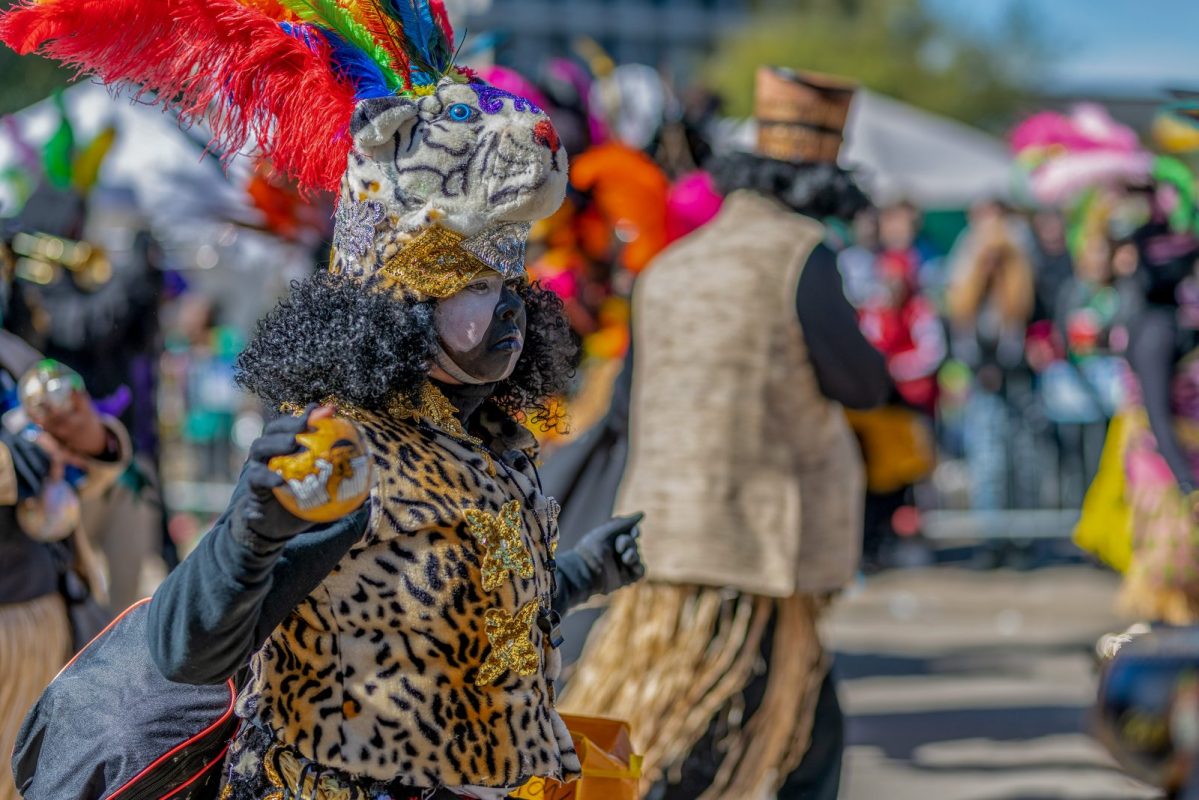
point(967, 685)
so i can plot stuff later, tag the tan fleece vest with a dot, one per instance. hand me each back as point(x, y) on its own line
point(749, 476)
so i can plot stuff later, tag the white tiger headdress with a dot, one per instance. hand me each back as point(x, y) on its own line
point(440, 174)
point(441, 186)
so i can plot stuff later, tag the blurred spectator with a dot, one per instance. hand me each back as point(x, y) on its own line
point(98, 315)
point(899, 236)
point(1080, 385)
point(903, 325)
point(50, 584)
point(1052, 264)
point(981, 219)
point(991, 296)
point(207, 352)
point(857, 261)
point(896, 439)
point(990, 301)
point(1161, 458)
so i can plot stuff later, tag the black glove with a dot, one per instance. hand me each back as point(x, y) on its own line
point(257, 519)
point(31, 464)
point(605, 559)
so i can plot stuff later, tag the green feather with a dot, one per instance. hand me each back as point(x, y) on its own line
point(1170, 170)
point(59, 151)
point(330, 15)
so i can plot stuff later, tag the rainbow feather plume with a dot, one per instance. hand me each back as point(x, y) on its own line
point(328, 14)
point(386, 31)
point(428, 38)
point(212, 59)
point(351, 63)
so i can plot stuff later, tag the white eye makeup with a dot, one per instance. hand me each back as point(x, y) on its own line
point(462, 320)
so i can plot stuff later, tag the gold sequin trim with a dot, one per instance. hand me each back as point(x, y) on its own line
point(434, 263)
point(500, 535)
point(433, 407)
point(511, 643)
point(436, 409)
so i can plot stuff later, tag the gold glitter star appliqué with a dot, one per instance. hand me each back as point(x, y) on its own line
point(500, 534)
point(511, 643)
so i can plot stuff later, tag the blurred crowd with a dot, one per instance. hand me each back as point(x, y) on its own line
point(1006, 345)
point(1002, 324)
point(1029, 340)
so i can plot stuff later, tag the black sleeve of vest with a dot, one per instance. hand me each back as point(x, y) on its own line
point(220, 605)
point(848, 369)
point(1151, 354)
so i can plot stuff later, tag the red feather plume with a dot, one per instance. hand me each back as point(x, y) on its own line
point(214, 56)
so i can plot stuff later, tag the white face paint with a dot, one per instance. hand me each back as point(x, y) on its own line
point(480, 332)
point(462, 320)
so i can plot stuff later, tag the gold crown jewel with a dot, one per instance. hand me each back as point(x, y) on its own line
point(440, 262)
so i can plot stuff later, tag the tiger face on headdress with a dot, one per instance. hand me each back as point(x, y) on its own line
point(471, 161)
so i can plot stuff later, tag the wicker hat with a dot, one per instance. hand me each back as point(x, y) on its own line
point(801, 115)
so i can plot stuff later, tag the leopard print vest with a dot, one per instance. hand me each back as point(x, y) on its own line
point(419, 657)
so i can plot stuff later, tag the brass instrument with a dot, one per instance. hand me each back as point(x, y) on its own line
point(37, 258)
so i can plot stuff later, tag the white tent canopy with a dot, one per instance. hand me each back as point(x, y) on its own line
point(151, 155)
point(901, 152)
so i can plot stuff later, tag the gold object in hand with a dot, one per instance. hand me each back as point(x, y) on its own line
point(330, 475)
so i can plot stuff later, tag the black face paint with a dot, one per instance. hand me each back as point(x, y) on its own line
point(496, 354)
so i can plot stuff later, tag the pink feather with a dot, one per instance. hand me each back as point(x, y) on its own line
point(1088, 127)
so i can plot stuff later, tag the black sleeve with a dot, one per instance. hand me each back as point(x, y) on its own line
point(573, 581)
point(220, 605)
point(848, 369)
point(1151, 354)
point(30, 463)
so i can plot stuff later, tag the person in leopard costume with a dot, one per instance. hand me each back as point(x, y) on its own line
point(410, 648)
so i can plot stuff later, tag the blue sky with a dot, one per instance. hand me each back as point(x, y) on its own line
point(1142, 44)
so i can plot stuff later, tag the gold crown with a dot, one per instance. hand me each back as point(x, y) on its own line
point(440, 262)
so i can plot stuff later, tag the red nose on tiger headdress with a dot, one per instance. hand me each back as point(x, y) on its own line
point(440, 174)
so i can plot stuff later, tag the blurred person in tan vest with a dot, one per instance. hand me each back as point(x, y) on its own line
point(740, 454)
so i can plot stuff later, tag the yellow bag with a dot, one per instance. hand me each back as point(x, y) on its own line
point(1105, 525)
point(897, 446)
point(611, 770)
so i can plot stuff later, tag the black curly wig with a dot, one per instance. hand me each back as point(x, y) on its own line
point(817, 190)
point(334, 338)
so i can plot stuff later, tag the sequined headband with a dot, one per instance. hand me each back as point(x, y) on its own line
point(440, 262)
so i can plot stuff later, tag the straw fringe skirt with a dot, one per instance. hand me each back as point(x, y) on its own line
point(35, 642)
point(672, 659)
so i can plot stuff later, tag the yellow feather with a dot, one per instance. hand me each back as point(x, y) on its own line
point(87, 164)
